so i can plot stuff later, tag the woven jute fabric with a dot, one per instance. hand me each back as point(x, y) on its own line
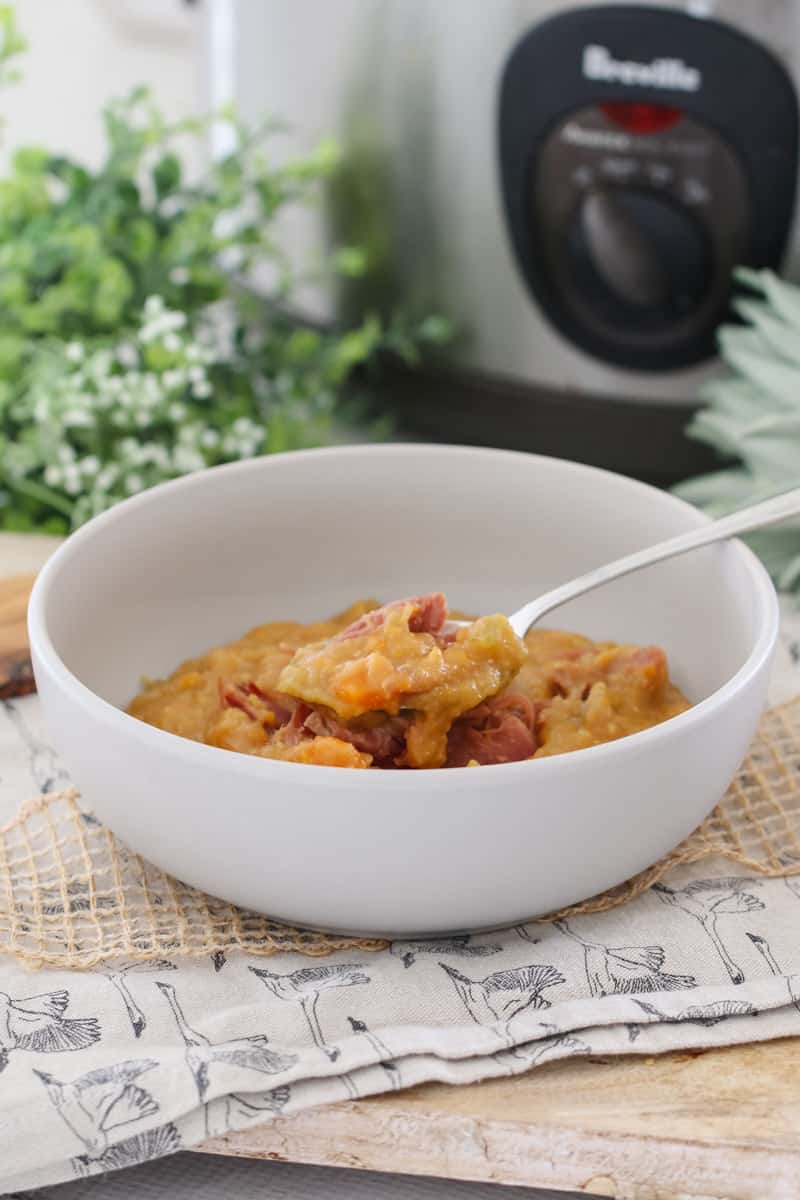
point(73, 896)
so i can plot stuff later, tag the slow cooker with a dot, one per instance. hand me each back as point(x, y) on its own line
point(571, 183)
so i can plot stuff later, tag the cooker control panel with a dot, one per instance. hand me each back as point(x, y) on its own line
point(637, 174)
point(640, 232)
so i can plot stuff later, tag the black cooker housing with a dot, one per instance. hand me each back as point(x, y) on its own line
point(630, 195)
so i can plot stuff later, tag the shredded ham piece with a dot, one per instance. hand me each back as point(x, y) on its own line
point(501, 730)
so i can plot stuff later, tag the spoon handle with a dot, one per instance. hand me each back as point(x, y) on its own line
point(755, 516)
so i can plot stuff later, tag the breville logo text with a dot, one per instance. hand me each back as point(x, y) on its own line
point(672, 73)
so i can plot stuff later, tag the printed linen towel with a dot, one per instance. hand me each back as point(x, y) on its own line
point(106, 1068)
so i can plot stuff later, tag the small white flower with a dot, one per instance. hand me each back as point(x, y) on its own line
point(179, 276)
point(176, 412)
point(172, 343)
point(74, 352)
point(142, 419)
point(209, 438)
point(154, 454)
point(185, 460)
point(133, 483)
point(189, 435)
point(102, 363)
point(173, 379)
point(171, 206)
point(202, 390)
point(231, 258)
point(53, 475)
point(153, 306)
point(72, 481)
point(89, 465)
point(107, 478)
point(127, 355)
point(77, 418)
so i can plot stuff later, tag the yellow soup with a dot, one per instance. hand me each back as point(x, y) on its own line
point(395, 687)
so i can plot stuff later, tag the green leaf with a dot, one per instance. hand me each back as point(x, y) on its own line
point(354, 348)
point(752, 415)
point(12, 43)
point(114, 288)
point(321, 162)
point(55, 526)
point(302, 345)
point(17, 521)
point(167, 175)
point(30, 160)
point(436, 330)
point(142, 240)
point(350, 261)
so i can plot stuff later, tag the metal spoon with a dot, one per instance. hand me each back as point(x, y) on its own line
point(755, 516)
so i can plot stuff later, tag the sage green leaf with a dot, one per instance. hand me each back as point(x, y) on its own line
point(752, 415)
point(781, 297)
point(776, 335)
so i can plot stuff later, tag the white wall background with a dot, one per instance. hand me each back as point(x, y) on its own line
point(83, 52)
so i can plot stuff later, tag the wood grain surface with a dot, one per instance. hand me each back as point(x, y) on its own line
point(16, 676)
point(713, 1125)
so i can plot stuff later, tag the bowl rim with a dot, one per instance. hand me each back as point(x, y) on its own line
point(47, 657)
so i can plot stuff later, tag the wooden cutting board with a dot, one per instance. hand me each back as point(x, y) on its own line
point(16, 675)
point(21, 557)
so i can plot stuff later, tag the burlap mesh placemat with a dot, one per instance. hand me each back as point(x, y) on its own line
point(73, 896)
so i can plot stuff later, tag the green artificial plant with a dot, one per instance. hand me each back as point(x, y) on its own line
point(134, 344)
point(752, 417)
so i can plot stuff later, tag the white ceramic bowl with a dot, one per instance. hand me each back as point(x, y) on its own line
point(198, 561)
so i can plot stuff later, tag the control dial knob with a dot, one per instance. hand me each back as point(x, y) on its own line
point(637, 252)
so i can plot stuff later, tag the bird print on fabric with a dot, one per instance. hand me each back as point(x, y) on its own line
point(237, 1109)
point(140, 1148)
point(390, 1068)
point(523, 932)
point(498, 998)
point(118, 979)
point(709, 899)
point(239, 1054)
point(462, 947)
point(255, 1104)
point(39, 1024)
point(793, 884)
point(304, 987)
point(96, 1105)
point(792, 982)
point(618, 970)
point(702, 1014)
point(546, 1049)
